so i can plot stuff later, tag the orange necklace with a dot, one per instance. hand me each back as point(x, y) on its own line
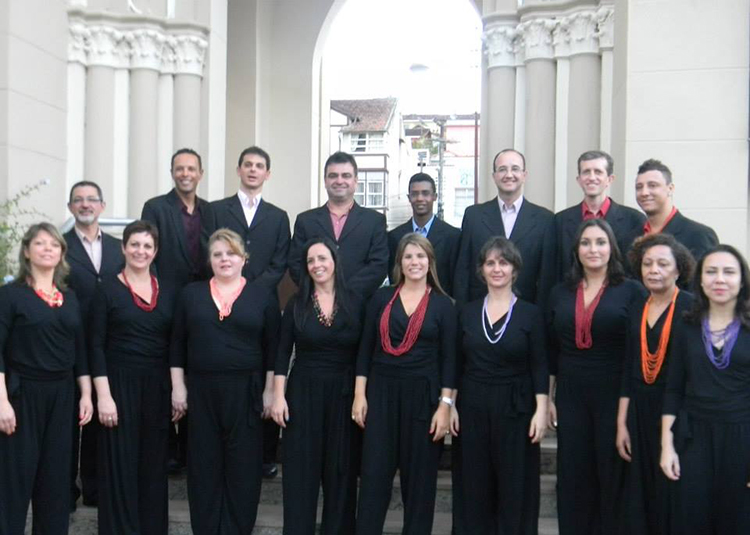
point(651, 363)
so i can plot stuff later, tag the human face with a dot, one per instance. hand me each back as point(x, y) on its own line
point(186, 173)
point(593, 177)
point(253, 172)
point(340, 182)
point(44, 251)
point(422, 198)
point(652, 193)
point(414, 263)
point(594, 249)
point(659, 269)
point(509, 174)
point(497, 271)
point(320, 264)
point(721, 278)
point(139, 251)
point(86, 205)
point(225, 263)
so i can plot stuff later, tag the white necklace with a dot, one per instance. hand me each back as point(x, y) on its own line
point(486, 314)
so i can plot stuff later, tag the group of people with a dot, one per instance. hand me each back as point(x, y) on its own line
point(521, 321)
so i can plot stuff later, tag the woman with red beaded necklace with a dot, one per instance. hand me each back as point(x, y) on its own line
point(130, 326)
point(42, 347)
point(403, 390)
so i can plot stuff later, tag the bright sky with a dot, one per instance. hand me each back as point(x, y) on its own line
point(373, 43)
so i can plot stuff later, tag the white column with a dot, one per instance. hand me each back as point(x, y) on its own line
point(76, 120)
point(215, 112)
point(164, 132)
point(189, 56)
point(561, 41)
point(605, 24)
point(519, 119)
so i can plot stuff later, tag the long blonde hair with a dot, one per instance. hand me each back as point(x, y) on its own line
point(420, 241)
point(62, 269)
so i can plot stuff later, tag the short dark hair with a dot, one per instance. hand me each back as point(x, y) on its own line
point(422, 177)
point(340, 157)
point(84, 183)
point(596, 155)
point(615, 269)
point(141, 226)
point(655, 165)
point(258, 152)
point(503, 247)
point(523, 158)
point(682, 256)
point(186, 151)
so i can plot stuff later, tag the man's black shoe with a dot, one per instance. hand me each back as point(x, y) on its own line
point(270, 471)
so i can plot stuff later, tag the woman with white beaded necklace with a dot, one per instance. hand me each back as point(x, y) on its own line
point(502, 401)
point(706, 421)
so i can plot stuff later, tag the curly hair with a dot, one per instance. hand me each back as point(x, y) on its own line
point(682, 256)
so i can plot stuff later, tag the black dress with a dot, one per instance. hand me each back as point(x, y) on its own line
point(226, 361)
point(41, 349)
point(645, 499)
point(711, 436)
point(402, 396)
point(130, 347)
point(319, 439)
point(496, 401)
point(589, 469)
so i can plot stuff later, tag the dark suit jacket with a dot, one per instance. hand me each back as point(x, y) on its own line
point(626, 223)
point(83, 277)
point(266, 239)
point(363, 246)
point(173, 262)
point(444, 239)
point(532, 234)
point(696, 237)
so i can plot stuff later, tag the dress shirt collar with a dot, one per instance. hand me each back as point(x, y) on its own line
point(247, 201)
point(515, 207)
point(84, 238)
point(425, 230)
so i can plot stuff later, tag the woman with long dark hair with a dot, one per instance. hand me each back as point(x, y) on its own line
point(706, 423)
point(131, 323)
point(402, 398)
point(502, 405)
point(588, 319)
point(225, 335)
point(322, 323)
point(664, 265)
point(42, 348)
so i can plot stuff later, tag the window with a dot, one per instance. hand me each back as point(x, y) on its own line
point(371, 189)
point(368, 142)
point(464, 197)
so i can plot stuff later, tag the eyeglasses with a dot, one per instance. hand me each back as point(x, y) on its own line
point(504, 170)
point(89, 200)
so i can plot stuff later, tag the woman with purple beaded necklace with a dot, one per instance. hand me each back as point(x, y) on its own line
point(706, 421)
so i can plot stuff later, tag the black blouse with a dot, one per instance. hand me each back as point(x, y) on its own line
point(325, 348)
point(434, 352)
point(633, 375)
point(521, 352)
point(37, 340)
point(707, 392)
point(246, 341)
point(123, 334)
point(609, 328)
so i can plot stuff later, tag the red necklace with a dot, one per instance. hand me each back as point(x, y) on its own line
point(412, 330)
point(584, 316)
point(54, 298)
point(138, 300)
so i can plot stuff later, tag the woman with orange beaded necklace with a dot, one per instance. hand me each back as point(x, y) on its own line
point(663, 264)
point(402, 397)
point(42, 347)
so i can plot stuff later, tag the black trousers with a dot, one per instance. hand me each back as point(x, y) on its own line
point(84, 455)
point(500, 465)
point(133, 456)
point(589, 469)
point(35, 460)
point(397, 436)
point(271, 433)
point(711, 496)
point(225, 452)
point(645, 501)
point(319, 444)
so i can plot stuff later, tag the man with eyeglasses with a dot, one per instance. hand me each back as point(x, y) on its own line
point(92, 255)
point(512, 216)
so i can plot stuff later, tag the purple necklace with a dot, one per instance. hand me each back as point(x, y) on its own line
point(729, 335)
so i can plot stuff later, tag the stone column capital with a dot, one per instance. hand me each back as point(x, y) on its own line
point(146, 49)
point(78, 44)
point(584, 33)
point(536, 37)
point(605, 20)
point(561, 38)
point(107, 47)
point(500, 45)
point(189, 54)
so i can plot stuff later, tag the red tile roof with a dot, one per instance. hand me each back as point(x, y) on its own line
point(367, 115)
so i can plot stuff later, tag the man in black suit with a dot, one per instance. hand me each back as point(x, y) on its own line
point(263, 226)
point(653, 193)
point(595, 174)
point(92, 255)
point(359, 232)
point(510, 215)
point(443, 237)
point(183, 220)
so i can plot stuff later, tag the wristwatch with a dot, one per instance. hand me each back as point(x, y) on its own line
point(447, 400)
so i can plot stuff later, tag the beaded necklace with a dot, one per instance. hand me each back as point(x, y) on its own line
point(53, 298)
point(729, 335)
point(584, 316)
point(486, 316)
point(412, 330)
point(651, 363)
point(137, 299)
point(325, 321)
